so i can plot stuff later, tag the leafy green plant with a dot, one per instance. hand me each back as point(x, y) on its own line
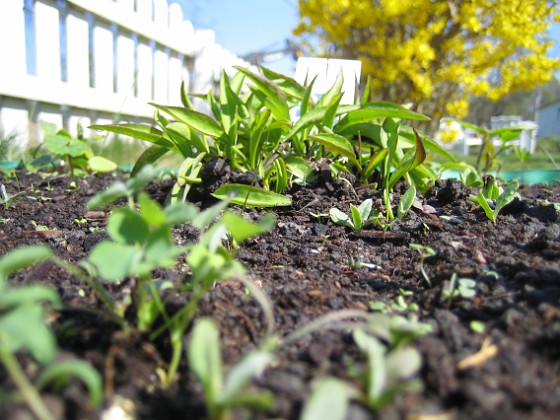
point(75, 152)
point(8, 199)
point(487, 156)
point(129, 189)
point(493, 198)
point(425, 251)
point(388, 372)
point(23, 328)
point(358, 218)
point(221, 395)
point(462, 287)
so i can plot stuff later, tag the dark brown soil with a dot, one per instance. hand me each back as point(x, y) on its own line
point(303, 267)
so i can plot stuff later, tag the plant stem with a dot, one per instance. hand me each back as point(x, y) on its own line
point(27, 390)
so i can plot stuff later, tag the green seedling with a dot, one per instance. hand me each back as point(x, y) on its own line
point(493, 206)
point(398, 305)
point(38, 227)
point(425, 251)
point(7, 200)
point(329, 399)
point(477, 326)
point(75, 152)
point(358, 218)
point(128, 189)
point(23, 329)
point(462, 287)
point(222, 395)
point(487, 156)
point(389, 372)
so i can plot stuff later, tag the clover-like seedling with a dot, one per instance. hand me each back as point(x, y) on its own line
point(463, 287)
point(358, 218)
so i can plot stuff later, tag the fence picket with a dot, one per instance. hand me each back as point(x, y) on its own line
point(70, 61)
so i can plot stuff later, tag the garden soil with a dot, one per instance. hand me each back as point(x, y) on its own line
point(304, 266)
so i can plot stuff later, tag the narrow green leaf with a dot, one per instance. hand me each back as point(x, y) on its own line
point(247, 195)
point(148, 157)
point(101, 165)
point(197, 120)
point(336, 144)
point(406, 202)
point(22, 257)
point(23, 328)
point(375, 110)
point(242, 229)
point(138, 131)
point(78, 368)
point(184, 139)
point(287, 84)
point(357, 220)
point(333, 93)
point(29, 294)
point(111, 194)
point(252, 365)
point(481, 200)
point(367, 91)
point(365, 209)
point(329, 400)
point(506, 197)
point(275, 98)
point(205, 359)
point(375, 161)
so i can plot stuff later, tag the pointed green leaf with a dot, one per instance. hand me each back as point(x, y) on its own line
point(247, 195)
point(205, 359)
point(78, 368)
point(336, 144)
point(275, 98)
point(197, 120)
point(333, 93)
point(20, 258)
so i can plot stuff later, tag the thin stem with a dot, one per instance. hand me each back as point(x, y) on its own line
point(27, 389)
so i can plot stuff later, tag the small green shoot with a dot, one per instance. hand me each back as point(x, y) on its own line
point(7, 200)
point(491, 208)
point(221, 395)
point(358, 218)
point(425, 251)
point(462, 287)
point(388, 372)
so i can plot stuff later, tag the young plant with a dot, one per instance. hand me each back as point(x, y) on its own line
point(358, 218)
point(463, 287)
point(23, 329)
point(425, 251)
point(492, 200)
point(487, 156)
point(221, 395)
point(75, 152)
point(8, 199)
point(389, 372)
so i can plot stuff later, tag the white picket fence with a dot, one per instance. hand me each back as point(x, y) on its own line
point(98, 61)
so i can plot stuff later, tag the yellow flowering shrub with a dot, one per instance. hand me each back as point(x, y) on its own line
point(434, 52)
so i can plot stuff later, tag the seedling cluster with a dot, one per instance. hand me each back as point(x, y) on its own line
point(250, 127)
